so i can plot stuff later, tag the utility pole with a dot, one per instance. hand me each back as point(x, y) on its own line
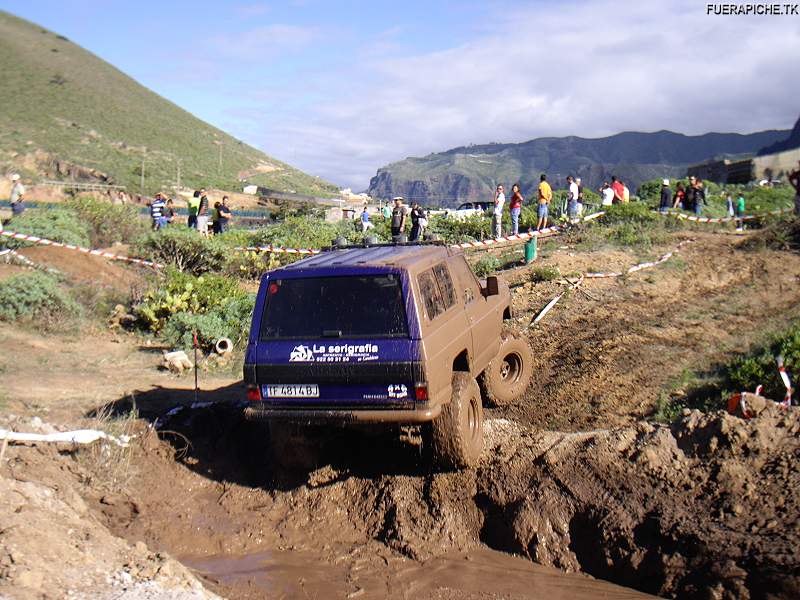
point(220, 158)
point(178, 177)
point(141, 182)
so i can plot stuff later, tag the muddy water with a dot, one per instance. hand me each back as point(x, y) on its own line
point(481, 574)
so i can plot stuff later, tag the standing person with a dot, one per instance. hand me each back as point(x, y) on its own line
point(215, 218)
point(626, 193)
point(699, 196)
point(619, 190)
point(17, 196)
point(794, 179)
point(386, 211)
point(515, 208)
point(399, 217)
point(580, 195)
point(729, 204)
point(202, 215)
point(691, 192)
point(191, 208)
point(666, 197)
point(680, 196)
point(545, 196)
point(497, 217)
point(740, 213)
point(169, 211)
point(157, 206)
point(607, 193)
point(572, 197)
point(365, 224)
point(223, 215)
point(419, 220)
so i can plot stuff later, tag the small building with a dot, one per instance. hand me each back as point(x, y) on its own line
point(755, 168)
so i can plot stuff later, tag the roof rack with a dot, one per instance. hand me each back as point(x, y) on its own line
point(383, 245)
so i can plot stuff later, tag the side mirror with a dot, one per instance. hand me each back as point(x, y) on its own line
point(492, 286)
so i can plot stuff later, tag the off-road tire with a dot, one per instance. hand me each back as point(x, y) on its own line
point(509, 373)
point(457, 433)
point(290, 448)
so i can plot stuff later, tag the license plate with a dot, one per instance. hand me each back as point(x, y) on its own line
point(292, 390)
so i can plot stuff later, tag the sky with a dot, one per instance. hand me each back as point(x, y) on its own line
point(339, 89)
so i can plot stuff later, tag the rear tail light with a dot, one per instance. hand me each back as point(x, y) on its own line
point(253, 393)
point(421, 392)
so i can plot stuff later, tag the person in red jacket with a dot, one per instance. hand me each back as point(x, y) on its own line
point(515, 206)
point(619, 190)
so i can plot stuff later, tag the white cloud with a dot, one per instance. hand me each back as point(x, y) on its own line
point(262, 42)
point(562, 69)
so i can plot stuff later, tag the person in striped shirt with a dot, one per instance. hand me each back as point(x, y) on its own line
point(157, 209)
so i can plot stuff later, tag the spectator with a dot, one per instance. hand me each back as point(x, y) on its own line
point(545, 196)
point(17, 196)
point(365, 224)
point(202, 214)
point(419, 221)
point(399, 216)
point(666, 197)
point(192, 205)
point(607, 193)
point(680, 196)
point(691, 191)
point(580, 195)
point(497, 217)
point(729, 204)
point(169, 211)
point(626, 194)
point(223, 215)
point(619, 190)
point(740, 213)
point(572, 197)
point(794, 180)
point(386, 211)
point(157, 207)
point(215, 218)
point(515, 208)
point(699, 196)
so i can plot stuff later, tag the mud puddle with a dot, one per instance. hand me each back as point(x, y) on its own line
point(482, 573)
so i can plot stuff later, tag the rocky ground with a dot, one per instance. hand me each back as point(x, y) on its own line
point(577, 476)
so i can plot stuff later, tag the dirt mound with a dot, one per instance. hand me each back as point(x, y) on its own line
point(86, 268)
point(705, 508)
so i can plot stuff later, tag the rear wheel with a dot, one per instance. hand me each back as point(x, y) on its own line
point(457, 434)
point(509, 374)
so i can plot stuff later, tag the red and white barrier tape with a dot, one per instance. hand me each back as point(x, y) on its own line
point(779, 211)
point(45, 242)
point(640, 266)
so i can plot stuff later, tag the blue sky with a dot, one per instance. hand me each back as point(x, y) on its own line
point(342, 88)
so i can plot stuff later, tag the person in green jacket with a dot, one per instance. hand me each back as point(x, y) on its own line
point(740, 213)
point(192, 208)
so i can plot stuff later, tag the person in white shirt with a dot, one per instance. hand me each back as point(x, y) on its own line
point(572, 198)
point(580, 196)
point(608, 194)
point(497, 219)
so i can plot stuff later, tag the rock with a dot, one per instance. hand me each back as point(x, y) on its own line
point(177, 361)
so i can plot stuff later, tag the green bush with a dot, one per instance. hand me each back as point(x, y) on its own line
point(35, 296)
point(545, 273)
point(455, 231)
point(108, 223)
point(230, 319)
point(180, 292)
point(185, 249)
point(486, 265)
point(57, 224)
point(630, 212)
point(760, 367)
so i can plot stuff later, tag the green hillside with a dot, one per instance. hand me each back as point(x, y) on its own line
point(58, 98)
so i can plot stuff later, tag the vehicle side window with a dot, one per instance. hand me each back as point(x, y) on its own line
point(430, 295)
point(445, 283)
point(467, 285)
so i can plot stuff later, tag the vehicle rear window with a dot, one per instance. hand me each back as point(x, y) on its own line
point(332, 307)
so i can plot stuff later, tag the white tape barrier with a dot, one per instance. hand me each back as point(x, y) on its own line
point(640, 266)
point(697, 219)
point(80, 436)
point(102, 253)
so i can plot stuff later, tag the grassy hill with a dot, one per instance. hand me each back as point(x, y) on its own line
point(58, 98)
point(471, 173)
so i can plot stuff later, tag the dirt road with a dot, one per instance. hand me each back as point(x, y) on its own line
point(574, 477)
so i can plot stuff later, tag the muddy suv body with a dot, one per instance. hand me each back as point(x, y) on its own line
point(381, 334)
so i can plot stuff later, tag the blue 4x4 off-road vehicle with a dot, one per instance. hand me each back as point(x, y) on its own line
point(393, 334)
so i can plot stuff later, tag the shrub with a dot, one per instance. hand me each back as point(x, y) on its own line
point(230, 319)
point(181, 292)
point(760, 367)
point(549, 273)
point(630, 212)
point(454, 231)
point(35, 296)
point(486, 265)
point(185, 249)
point(108, 223)
point(57, 224)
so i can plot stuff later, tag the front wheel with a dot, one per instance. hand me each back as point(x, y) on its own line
point(457, 433)
point(509, 374)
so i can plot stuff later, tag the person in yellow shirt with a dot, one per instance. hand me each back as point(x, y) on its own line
point(545, 196)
